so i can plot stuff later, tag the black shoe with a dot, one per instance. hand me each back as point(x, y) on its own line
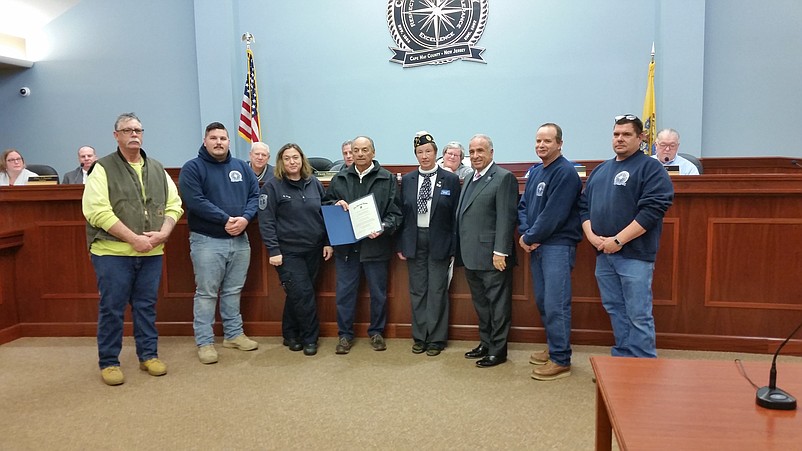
point(293, 344)
point(477, 352)
point(418, 348)
point(310, 349)
point(491, 360)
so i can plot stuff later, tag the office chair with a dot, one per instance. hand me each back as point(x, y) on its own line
point(320, 163)
point(41, 169)
point(693, 160)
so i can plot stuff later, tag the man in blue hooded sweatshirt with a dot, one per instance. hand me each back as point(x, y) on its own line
point(221, 195)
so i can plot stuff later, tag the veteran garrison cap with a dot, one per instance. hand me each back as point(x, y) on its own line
point(423, 139)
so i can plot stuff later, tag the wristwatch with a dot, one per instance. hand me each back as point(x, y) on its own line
point(615, 238)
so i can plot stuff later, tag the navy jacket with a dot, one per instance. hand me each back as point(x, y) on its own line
point(618, 192)
point(290, 218)
point(213, 191)
point(548, 212)
point(442, 216)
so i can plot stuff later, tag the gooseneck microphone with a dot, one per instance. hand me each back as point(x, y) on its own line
point(666, 159)
point(771, 397)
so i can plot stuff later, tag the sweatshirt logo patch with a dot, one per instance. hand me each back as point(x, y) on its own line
point(541, 187)
point(621, 178)
point(235, 176)
point(262, 201)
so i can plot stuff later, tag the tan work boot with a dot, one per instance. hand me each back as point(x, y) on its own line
point(551, 371)
point(241, 342)
point(154, 367)
point(112, 375)
point(539, 357)
point(207, 354)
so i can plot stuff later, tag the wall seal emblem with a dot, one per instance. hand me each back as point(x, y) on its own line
point(436, 31)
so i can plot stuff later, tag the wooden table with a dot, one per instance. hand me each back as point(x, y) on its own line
point(692, 405)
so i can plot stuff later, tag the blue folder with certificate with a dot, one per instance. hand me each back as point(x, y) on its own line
point(346, 227)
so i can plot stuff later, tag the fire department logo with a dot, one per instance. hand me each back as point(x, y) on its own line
point(436, 31)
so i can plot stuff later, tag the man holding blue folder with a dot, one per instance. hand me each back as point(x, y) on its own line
point(369, 255)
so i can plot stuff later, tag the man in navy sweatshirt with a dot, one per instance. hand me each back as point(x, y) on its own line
point(548, 217)
point(622, 211)
point(221, 195)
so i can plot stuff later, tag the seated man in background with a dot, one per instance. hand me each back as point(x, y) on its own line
point(348, 157)
point(86, 156)
point(259, 156)
point(667, 146)
point(12, 169)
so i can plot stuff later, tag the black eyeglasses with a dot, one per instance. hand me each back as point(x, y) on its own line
point(129, 131)
point(629, 117)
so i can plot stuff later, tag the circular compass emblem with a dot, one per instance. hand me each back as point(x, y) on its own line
point(436, 31)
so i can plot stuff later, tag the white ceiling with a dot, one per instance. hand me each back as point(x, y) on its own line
point(24, 17)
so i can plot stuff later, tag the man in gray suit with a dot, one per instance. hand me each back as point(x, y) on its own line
point(486, 218)
point(86, 156)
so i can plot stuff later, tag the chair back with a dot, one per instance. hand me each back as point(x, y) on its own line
point(693, 160)
point(320, 163)
point(41, 169)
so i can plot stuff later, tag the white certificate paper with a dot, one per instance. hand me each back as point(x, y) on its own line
point(364, 216)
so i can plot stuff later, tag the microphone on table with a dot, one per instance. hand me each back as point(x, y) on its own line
point(771, 397)
point(666, 160)
point(796, 163)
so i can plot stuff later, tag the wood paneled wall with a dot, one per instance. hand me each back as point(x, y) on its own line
point(727, 276)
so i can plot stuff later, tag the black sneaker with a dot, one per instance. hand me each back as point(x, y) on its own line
point(418, 348)
point(377, 341)
point(310, 349)
point(344, 346)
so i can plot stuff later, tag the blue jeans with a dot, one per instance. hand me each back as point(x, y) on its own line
point(122, 281)
point(551, 267)
point(349, 271)
point(626, 292)
point(221, 265)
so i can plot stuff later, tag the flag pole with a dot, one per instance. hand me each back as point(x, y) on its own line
point(249, 127)
point(248, 39)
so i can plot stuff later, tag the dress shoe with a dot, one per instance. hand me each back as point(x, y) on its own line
point(418, 348)
point(310, 349)
point(477, 352)
point(490, 360)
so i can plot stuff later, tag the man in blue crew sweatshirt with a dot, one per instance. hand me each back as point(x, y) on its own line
point(548, 218)
point(622, 211)
point(221, 195)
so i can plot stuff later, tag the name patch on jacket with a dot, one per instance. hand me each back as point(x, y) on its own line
point(235, 176)
point(445, 192)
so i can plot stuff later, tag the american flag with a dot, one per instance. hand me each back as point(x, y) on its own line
point(249, 116)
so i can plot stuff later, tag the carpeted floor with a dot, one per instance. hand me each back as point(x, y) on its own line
point(52, 397)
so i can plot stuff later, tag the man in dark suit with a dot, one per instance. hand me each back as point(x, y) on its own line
point(86, 156)
point(428, 201)
point(486, 218)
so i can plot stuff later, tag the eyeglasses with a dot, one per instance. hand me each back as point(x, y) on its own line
point(671, 146)
point(14, 160)
point(629, 117)
point(128, 131)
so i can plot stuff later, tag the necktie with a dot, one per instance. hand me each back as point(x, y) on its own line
point(476, 175)
point(425, 193)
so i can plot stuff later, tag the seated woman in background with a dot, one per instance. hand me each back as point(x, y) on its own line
point(12, 169)
point(452, 160)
